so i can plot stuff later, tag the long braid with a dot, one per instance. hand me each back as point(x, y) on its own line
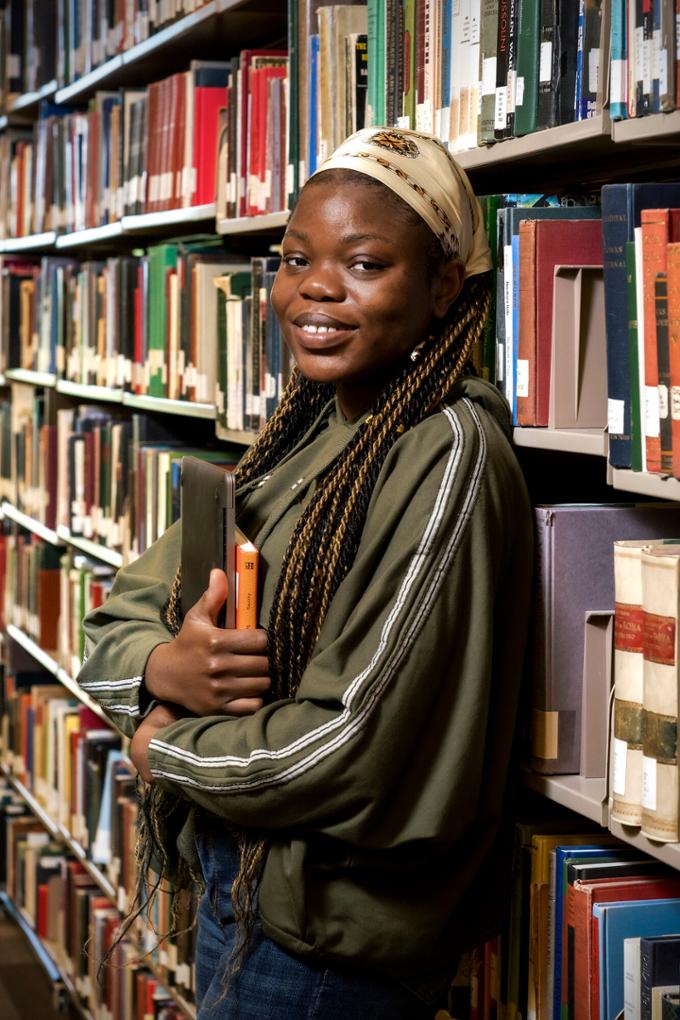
point(324, 544)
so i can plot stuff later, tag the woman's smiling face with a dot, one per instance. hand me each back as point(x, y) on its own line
point(352, 294)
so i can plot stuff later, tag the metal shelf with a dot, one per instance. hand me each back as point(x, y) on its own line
point(29, 243)
point(251, 224)
point(669, 853)
point(145, 222)
point(586, 797)
point(588, 441)
point(27, 375)
point(188, 408)
point(29, 99)
point(53, 667)
point(94, 549)
point(589, 136)
point(92, 235)
point(660, 127)
point(31, 524)
point(658, 486)
point(62, 834)
point(242, 438)
point(89, 392)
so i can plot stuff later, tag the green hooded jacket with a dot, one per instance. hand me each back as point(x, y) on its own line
point(383, 782)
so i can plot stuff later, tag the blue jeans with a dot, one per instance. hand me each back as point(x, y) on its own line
point(272, 983)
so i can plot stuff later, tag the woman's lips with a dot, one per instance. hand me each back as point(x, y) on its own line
point(313, 336)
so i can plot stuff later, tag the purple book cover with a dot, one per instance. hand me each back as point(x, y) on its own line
point(574, 574)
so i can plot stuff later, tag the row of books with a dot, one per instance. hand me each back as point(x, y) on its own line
point(643, 774)
point(603, 927)
point(66, 39)
point(75, 921)
point(185, 321)
point(109, 477)
point(131, 151)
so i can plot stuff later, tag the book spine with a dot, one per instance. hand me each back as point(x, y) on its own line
point(654, 240)
point(526, 342)
point(488, 48)
point(546, 109)
point(660, 595)
point(635, 421)
point(626, 758)
point(673, 281)
point(526, 98)
point(616, 230)
point(246, 586)
point(663, 361)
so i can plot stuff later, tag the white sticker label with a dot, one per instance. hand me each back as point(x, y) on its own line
point(619, 770)
point(500, 116)
point(489, 76)
point(675, 402)
point(649, 783)
point(663, 401)
point(618, 81)
point(545, 64)
point(663, 72)
point(522, 377)
point(615, 416)
point(519, 91)
point(652, 411)
point(593, 69)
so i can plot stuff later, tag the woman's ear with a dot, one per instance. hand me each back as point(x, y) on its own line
point(446, 286)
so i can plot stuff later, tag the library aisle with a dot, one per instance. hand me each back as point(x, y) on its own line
point(25, 991)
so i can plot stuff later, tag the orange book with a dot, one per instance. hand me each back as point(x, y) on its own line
point(246, 583)
point(658, 228)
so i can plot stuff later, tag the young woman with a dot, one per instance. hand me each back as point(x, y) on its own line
point(342, 771)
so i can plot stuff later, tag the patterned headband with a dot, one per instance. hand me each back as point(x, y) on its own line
point(419, 169)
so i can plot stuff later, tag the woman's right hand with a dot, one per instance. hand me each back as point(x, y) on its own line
point(207, 669)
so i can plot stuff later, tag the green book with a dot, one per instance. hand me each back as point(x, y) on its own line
point(162, 257)
point(376, 63)
point(526, 97)
point(635, 420)
point(409, 61)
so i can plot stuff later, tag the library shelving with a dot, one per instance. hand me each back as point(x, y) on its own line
point(591, 150)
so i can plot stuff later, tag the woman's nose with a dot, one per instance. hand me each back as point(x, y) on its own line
point(322, 284)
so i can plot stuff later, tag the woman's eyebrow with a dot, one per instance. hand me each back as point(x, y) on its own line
point(345, 239)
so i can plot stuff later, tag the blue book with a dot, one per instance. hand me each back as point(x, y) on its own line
point(618, 107)
point(564, 856)
point(580, 44)
point(616, 922)
point(313, 115)
point(622, 205)
point(445, 67)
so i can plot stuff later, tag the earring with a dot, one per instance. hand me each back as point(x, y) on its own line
point(417, 351)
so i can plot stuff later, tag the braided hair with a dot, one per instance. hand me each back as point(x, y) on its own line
point(324, 544)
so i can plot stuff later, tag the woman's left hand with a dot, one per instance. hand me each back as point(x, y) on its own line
point(159, 716)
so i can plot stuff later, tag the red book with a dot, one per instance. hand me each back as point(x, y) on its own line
point(41, 920)
point(673, 273)
point(545, 244)
point(207, 103)
point(248, 58)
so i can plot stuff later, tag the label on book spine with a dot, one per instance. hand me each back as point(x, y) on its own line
point(522, 377)
point(649, 783)
point(628, 627)
point(659, 639)
point(488, 76)
point(619, 769)
point(545, 62)
point(675, 402)
point(652, 411)
point(615, 416)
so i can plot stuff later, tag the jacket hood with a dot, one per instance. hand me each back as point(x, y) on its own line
point(487, 396)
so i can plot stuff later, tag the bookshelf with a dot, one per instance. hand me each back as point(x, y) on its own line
point(594, 150)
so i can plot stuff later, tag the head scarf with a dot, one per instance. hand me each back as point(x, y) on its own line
point(419, 169)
